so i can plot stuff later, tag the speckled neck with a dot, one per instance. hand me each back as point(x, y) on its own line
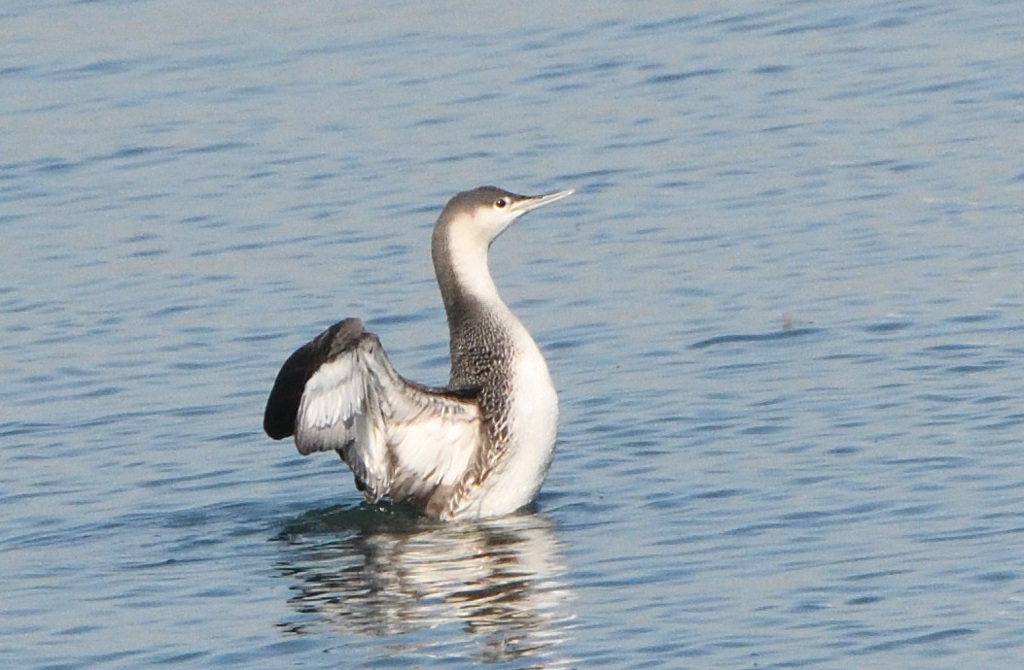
point(479, 322)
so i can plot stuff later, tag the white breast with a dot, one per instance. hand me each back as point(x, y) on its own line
point(534, 426)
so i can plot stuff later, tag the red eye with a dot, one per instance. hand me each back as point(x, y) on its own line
point(500, 203)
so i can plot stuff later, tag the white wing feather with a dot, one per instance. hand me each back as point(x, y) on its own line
point(400, 439)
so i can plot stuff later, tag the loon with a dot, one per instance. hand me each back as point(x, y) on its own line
point(479, 447)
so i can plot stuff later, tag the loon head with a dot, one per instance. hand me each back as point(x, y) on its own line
point(481, 215)
point(463, 234)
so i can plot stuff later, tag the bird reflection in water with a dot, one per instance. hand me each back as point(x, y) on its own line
point(496, 585)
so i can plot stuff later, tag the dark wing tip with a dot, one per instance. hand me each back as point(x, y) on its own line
point(283, 403)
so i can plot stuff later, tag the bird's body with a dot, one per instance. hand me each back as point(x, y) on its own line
point(479, 447)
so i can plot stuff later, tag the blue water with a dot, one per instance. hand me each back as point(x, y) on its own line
point(783, 312)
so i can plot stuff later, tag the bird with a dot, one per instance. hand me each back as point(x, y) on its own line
point(479, 447)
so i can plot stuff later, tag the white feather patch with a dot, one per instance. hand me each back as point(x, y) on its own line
point(401, 440)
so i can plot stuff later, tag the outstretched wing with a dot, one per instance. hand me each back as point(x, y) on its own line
point(341, 393)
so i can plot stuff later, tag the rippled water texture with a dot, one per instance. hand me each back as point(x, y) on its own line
point(783, 312)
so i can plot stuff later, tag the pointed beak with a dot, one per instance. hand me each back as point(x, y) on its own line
point(532, 202)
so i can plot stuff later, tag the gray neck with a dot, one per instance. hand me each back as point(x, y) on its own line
point(480, 325)
point(463, 275)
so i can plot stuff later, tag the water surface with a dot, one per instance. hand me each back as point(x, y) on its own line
point(782, 311)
